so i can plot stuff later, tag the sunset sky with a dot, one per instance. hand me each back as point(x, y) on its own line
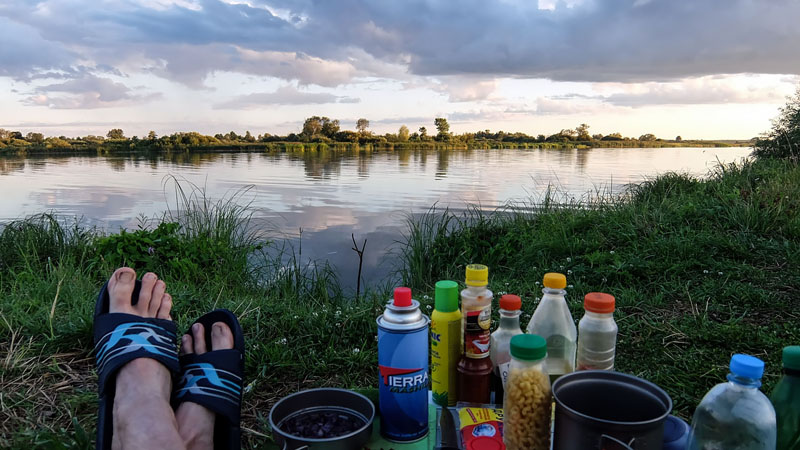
point(699, 69)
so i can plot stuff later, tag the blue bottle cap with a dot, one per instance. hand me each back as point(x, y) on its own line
point(747, 366)
point(676, 434)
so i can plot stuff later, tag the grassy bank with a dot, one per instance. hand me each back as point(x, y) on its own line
point(700, 269)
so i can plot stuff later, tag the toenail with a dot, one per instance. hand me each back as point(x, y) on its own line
point(150, 275)
point(196, 327)
point(125, 277)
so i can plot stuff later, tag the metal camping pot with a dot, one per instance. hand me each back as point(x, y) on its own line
point(603, 410)
point(322, 400)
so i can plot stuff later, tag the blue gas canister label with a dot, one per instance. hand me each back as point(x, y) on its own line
point(403, 383)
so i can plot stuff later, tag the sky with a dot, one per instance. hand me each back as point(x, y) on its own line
point(701, 69)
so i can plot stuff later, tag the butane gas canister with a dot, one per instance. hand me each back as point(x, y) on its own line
point(403, 367)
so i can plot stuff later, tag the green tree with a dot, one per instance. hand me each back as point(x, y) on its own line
point(423, 133)
point(647, 137)
point(152, 135)
point(783, 140)
point(311, 127)
point(402, 133)
point(329, 127)
point(34, 138)
point(115, 133)
point(443, 128)
point(362, 125)
point(4, 134)
point(249, 137)
point(597, 137)
point(582, 132)
point(678, 138)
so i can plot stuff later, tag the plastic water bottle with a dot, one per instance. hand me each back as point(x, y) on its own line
point(553, 321)
point(735, 415)
point(786, 400)
point(500, 340)
point(597, 333)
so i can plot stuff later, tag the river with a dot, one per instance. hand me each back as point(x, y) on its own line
point(329, 194)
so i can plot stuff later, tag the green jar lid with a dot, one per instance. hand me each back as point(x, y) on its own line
point(446, 296)
point(791, 357)
point(529, 347)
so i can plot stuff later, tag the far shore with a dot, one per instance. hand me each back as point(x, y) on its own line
point(134, 146)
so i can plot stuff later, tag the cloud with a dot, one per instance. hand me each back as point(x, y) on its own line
point(335, 43)
point(88, 92)
point(703, 90)
point(286, 95)
point(457, 89)
point(24, 53)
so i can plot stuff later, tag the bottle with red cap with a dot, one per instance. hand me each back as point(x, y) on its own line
point(597, 333)
point(500, 352)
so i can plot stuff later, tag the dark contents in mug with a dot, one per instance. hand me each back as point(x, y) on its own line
point(322, 424)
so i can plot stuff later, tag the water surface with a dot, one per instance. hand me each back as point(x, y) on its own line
point(328, 194)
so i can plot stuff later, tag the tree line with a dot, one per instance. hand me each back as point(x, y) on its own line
point(321, 130)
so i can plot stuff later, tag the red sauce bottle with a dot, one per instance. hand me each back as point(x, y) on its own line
point(475, 367)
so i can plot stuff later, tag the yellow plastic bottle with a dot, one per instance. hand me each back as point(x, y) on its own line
point(446, 343)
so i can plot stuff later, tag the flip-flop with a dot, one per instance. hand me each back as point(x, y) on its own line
point(215, 380)
point(120, 338)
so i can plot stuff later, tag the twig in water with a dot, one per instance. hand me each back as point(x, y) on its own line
point(360, 253)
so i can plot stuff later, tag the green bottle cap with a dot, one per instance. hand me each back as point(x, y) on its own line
point(529, 347)
point(446, 296)
point(791, 357)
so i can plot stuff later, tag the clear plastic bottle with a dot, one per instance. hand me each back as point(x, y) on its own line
point(735, 415)
point(786, 400)
point(500, 351)
point(527, 402)
point(553, 321)
point(597, 333)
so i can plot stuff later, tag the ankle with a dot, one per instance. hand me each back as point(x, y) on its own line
point(143, 379)
point(197, 434)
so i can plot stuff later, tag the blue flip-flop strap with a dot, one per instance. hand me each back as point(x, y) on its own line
point(120, 338)
point(213, 380)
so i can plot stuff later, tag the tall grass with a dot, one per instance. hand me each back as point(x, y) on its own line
point(300, 327)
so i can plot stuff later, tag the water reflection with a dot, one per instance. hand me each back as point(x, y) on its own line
point(329, 194)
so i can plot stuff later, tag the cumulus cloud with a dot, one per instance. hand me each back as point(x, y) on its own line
point(457, 89)
point(703, 90)
point(88, 92)
point(286, 95)
point(24, 53)
point(585, 40)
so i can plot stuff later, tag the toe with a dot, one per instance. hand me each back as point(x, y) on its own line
point(165, 308)
point(156, 298)
point(221, 336)
point(120, 290)
point(199, 338)
point(146, 293)
point(186, 345)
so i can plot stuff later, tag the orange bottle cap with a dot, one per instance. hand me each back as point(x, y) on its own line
point(599, 302)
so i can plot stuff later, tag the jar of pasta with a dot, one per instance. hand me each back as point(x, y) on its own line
point(527, 400)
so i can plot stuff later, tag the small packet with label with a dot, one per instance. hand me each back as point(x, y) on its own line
point(481, 427)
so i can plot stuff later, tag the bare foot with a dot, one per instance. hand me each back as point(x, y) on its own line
point(195, 422)
point(143, 418)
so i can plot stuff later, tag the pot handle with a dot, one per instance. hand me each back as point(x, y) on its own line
point(614, 440)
